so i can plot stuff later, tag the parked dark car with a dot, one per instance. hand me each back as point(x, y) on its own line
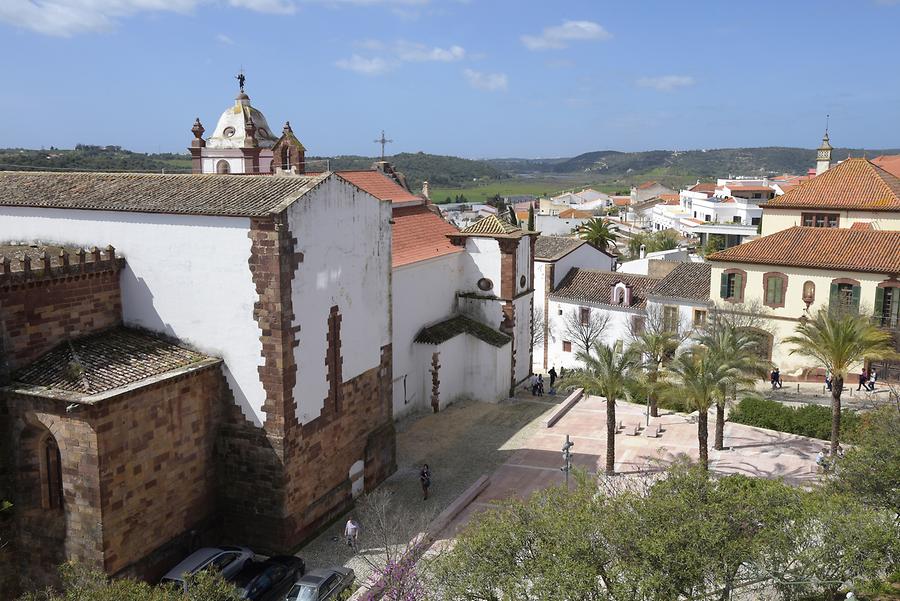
point(227, 560)
point(321, 585)
point(269, 580)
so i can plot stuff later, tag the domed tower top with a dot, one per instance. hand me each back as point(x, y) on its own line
point(823, 155)
point(232, 129)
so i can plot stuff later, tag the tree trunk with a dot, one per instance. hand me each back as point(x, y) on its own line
point(610, 436)
point(837, 385)
point(702, 438)
point(719, 442)
point(654, 409)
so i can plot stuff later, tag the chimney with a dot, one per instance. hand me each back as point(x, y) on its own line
point(643, 251)
point(426, 190)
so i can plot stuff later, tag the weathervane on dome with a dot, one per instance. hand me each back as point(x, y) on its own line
point(241, 78)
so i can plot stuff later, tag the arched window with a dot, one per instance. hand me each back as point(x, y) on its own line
point(51, 472)
point(223, 167)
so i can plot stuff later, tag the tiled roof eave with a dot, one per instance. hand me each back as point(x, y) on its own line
point(46, 392)
point(595, 303)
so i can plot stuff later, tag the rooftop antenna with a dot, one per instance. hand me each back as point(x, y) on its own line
point(383, 141)
point(827, 117)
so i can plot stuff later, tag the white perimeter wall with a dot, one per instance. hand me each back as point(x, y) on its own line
point(186, 276)
point(470, 368)
point(424, 294)
point(345, 237)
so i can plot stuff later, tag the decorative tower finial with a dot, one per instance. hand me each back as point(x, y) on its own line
point(241, 78)
point(823, 155)
point(198, 130)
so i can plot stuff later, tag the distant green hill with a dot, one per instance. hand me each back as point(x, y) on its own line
point(93, 158)
point(440, 171)
point(719, 162)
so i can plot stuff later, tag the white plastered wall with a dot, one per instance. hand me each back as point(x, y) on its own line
point(345, 237)
point(470, 369)
point(617, 328)
point(179, 268)
point(424, 293)
point(776, 220)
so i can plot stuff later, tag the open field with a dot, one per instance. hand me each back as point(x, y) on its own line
point(517, 186)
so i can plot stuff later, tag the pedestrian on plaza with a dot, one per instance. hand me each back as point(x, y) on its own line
point(351, 532)
point(534, 384)
point(425, 480)
point(775, 378)
point(863, 379)
point(552, 374)
point(873, 377)
point(828, 379)
point(540, 385)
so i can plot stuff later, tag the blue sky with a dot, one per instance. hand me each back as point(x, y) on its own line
point(474, 78)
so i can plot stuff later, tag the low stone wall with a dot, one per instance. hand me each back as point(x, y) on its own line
point(564, 408)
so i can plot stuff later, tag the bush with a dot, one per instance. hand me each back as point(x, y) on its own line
point(809, 420)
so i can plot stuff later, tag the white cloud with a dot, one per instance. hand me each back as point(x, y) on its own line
point(70, 17)
point(492, 82)
point(666, 83)
point(418, 53)
point(224, 39)
point(365, 66)
point(560, 36)
point(277, 7)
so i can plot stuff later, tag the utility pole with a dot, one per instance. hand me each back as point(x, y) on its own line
point(567, 459)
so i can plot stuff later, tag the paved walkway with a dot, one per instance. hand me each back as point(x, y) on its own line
point(800, 393)
point(752, 451)
point(460, 444)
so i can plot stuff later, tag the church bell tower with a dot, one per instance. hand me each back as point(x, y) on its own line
point(823, 155)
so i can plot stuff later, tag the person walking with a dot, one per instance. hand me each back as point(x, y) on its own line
point(828, 380)
point(552, 374)
point(873, 377)
point(540, 386)
point(863, 379)
point(425, 480)
point(534, 384)
point(351, 532)
point(775, 378)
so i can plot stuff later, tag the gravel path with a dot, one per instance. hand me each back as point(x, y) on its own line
point(459, 444)
point(803, 393)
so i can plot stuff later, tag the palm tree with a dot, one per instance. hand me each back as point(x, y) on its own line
point(738, 347)
point(597, 233)
point(839, 340)
point(695, 376)
point(657, 346)
point(606, 373)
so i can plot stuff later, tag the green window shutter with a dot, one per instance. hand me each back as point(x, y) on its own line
point(723, 286)
point(854, 304)
point(738, 286)
point(779, 291)
point(833, 299)
point(879, 304)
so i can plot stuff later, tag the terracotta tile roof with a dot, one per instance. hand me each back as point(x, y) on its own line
point(842, 249)
point(379, 185)
point(621, 201)
point(522, 215)
point(669, 197)
point(853, 184)
point(596, 287)
point(672, 202)
point(889, 162)
point(492, 225)
point(227, 195)
point(419, 234)
point(686, 281)
point(552, 248)
point(862, 226)
point(449, 328)
point(106, 360)
point(575, 214)
point(703, 187)
point(647, 185)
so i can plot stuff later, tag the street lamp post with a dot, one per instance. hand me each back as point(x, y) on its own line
point(567, 459)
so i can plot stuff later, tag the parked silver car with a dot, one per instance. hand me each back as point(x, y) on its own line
point(227, 560)
point(321, 585)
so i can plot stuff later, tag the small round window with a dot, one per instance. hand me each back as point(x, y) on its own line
point(263, 133)
point(228, 132)
point(485, 284)
point(522, 282)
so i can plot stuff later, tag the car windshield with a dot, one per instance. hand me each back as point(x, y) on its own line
point(303, 592)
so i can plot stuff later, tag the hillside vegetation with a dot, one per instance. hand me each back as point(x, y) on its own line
point(92, 158)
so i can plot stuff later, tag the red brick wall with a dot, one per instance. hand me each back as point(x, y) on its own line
point(157, 464)
point(35, 316)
